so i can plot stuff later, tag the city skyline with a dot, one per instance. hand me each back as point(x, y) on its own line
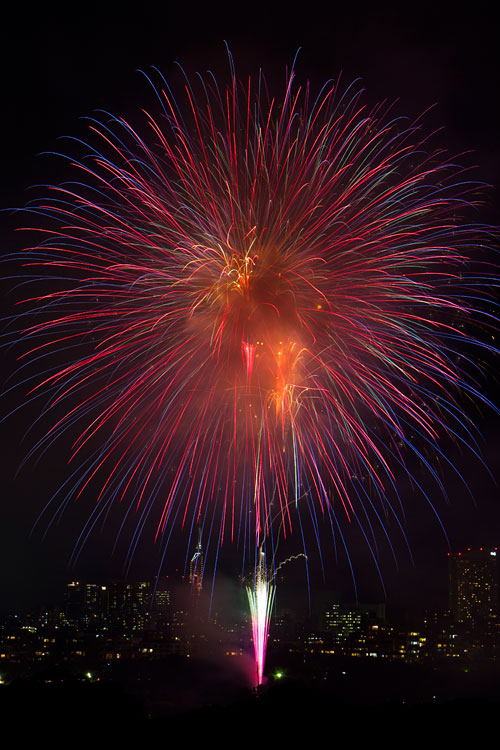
point(96, 624)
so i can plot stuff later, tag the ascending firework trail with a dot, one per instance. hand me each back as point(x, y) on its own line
point(260, 599)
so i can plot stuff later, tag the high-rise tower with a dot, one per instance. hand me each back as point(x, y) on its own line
point(473, 585)
point(196, 568)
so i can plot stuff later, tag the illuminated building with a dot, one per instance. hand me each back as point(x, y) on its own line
point(196, 568)
point(129, 603)
point(162, 596)
point(85, 603)
point(473, 585)
point(341, 622)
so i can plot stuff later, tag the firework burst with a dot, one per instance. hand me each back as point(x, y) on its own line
point(257, 299)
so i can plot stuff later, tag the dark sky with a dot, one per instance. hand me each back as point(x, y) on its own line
point(60, 66)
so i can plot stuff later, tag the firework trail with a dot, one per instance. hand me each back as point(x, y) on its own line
point(260, 599)
point(256, 299)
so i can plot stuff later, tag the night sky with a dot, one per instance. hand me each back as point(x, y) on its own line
point(59, 67)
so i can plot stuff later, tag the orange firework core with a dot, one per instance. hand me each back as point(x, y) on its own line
point(257, 314)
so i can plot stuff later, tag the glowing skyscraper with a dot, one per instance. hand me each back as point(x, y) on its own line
point(196, 568)
point(473, 584)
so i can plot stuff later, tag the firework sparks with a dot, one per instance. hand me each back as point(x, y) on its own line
point(260, 599)
point(257, 300)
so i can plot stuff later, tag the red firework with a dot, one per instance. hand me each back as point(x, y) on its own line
point(258, 299)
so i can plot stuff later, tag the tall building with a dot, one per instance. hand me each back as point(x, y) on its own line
point(341, 621)
point(473, 585)
point(162, 596)
point(129, 603)
point(196, 568)
point(86, 603)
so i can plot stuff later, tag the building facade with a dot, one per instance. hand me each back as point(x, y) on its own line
point(473, 585)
